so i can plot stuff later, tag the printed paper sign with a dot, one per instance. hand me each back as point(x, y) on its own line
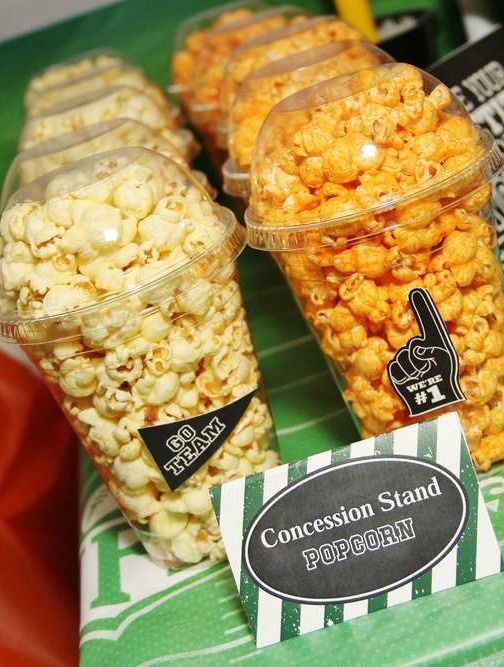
point(425, 372)
point(475, 74)
point(355, 530)
point(180, 448)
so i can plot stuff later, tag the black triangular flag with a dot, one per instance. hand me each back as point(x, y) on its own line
point(180, 448)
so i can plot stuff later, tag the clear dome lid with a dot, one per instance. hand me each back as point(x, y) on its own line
point(95, 107)
point(190, 38)
point(354, 155)
point(269, 85)
point(96, 138)
point(220, 43)
point(114, 235)
point(298, 36)
point(75, 67)
point(98, 78)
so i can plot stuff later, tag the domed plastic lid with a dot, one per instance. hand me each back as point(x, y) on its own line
point(300, 35)
point(71, 146)
point(89, 82)
point(114, 235)
point(269, 85)
point(221, 42)
point(93, 107)
point(335, 159)
point(190, 37)
point(74, 67)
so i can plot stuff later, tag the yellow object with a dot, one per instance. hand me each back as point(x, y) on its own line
point(358, 13)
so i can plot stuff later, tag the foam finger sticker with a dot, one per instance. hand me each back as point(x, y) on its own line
point(425, 371)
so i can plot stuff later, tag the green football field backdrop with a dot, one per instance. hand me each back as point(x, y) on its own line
point(135, 614)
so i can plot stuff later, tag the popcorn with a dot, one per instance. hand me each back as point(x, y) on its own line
point(186, 58)
point(96, 107)
point(122, 335)
point(384, 178)
point(266, 70)
point(74, 68)
point(96, 79)
point(211, 52)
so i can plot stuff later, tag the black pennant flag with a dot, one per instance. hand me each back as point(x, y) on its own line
point(180, 448)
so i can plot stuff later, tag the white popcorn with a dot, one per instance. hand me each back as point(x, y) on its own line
point(131, 450)
point(198, 502)
point(135, 349)
point(168, 524)
point(98, 106)
point(77, 377)
point(155, 327)
point(163, 390)
point(141, 505)
point(184, 355)
point(184, 548)
point(134, 474)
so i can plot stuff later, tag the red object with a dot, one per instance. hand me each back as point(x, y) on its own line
point(39, 614)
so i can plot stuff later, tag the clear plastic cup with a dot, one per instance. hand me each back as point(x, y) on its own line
point(118, 278)
point(97, 107)
point(373, 191)
point(190, 38)
point(99, 78)
point(97, 138)
point(269, 85)
point(219, 44)
point(76, 67)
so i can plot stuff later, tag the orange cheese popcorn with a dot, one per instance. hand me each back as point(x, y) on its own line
point(381, 186)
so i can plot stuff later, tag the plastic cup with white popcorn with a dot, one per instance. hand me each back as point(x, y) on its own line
point(80, 65)
point(101, 77)
point(96, 107)
point(96, 138)
point(269, 85)
point(373, 190)
point(190, 37)
point(118, 278)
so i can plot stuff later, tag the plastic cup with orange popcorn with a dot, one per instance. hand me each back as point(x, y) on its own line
point(269, 85)
point(373, 191)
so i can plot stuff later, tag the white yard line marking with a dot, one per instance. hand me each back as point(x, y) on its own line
point(221, 583)
point(297, 383)
point(311, 422)
point(115, 634)
point(237, 628)
point(197, 653)
point(228, 597)
point(281, 347)
point(244, 657)
point(231, 613)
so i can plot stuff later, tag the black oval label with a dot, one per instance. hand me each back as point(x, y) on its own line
point(355, 530)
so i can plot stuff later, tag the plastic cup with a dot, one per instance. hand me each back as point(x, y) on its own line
point(269, 85)
point(97, 138)
point(99, 78)
point(80, 65)
point(373, 191)
point(124, 294)
point(289, 40)
point(97, 107)
point(219, 44)
point(190, 38)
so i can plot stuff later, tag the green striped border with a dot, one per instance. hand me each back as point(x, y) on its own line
point(476, 555)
